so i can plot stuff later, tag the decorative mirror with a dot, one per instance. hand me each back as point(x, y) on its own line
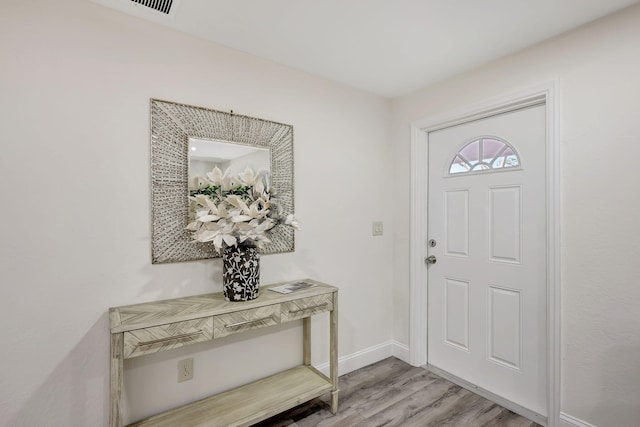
point(185, 138)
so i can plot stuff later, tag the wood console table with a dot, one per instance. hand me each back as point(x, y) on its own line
point(147, 328)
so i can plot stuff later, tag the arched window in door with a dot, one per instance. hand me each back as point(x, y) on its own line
point(484, 154)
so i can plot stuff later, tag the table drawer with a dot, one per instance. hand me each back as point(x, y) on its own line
point(240, 321)
point(164, 337)
point(305, 307)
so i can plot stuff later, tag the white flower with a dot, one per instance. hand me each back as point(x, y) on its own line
point(259, 209)
point(199, 182)
point(201, 200)
point(235, 201)
point(255, 231)
point(258, 189)
point(230, 183)
point(217, 233)
point(248, 177)
point(292, 221)
point(215, 176)
point(241, 211)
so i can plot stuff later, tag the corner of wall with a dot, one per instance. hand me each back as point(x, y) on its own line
point(368, 356)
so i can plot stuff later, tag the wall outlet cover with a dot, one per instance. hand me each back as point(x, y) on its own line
point(185, 370)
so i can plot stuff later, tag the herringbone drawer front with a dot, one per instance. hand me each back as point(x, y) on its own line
point(240, 321)
point(165, 337)
point(305, 307)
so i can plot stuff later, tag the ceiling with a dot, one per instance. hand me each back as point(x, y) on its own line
point(386, 47)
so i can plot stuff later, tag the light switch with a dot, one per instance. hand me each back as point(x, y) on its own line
point(377, 228)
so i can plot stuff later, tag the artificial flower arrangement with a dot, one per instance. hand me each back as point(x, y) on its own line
point(233, 210)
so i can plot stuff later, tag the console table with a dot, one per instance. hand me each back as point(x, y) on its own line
point(137, 330)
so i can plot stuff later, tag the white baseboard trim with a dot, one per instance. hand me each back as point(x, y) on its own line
point(402, 352)
point(567, 420)
point(368, 356)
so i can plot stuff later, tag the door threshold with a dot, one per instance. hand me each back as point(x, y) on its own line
point(514, 407)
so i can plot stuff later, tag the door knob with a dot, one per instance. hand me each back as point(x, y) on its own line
point(431, 259)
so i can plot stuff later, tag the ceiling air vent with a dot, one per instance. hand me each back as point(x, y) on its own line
point(163, 6)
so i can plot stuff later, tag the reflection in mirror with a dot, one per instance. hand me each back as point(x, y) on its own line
point(231, 158)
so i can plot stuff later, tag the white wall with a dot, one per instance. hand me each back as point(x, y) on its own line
point(598, 72)
point(75, 84)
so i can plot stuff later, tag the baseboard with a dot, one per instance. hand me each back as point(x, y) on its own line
point(569, 421)
point(368, 356)
point(402, 352)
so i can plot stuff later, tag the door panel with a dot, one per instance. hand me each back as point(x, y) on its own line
point(487, 290)
point(504, 219)
point(457, 222)
point(457, 315)
point(505, 330)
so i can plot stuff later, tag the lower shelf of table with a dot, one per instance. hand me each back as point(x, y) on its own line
point(247, 404)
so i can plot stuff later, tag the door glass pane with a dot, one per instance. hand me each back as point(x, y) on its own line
point(459, 166)
point(471, 151)
point(483, 154)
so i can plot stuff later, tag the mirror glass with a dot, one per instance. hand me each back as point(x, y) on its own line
point(205, 154)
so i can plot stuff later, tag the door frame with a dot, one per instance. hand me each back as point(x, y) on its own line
point(418, 328)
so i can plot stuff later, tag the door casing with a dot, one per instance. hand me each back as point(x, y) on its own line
point(547, 93)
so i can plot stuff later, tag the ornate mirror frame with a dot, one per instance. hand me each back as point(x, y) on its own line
point(172, 124)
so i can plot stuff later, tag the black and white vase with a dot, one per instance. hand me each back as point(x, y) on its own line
point(240, 273)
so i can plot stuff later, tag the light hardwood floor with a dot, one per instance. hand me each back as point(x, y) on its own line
point(393, 393)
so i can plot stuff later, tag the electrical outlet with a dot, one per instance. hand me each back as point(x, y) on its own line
point(185, 370)
point(376, 228)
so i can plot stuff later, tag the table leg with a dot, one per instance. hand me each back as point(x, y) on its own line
point(306, 338)
point(115, 383)
point(333, 331)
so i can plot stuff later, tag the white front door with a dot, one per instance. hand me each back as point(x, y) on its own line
point(487, 231)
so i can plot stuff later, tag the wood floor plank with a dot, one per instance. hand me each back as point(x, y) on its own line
point(393, 393)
